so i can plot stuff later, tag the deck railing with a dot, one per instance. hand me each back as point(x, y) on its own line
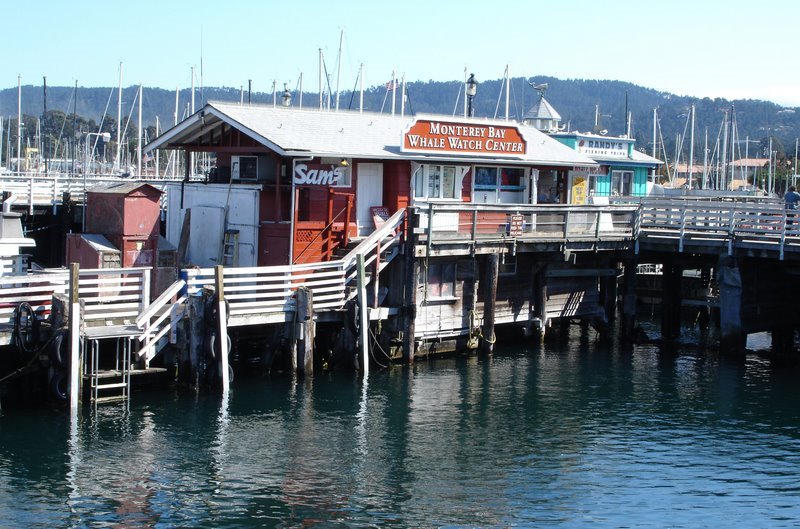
point(726, 224)
point(482, 222)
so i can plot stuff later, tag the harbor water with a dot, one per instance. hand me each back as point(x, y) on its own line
point(574, 433)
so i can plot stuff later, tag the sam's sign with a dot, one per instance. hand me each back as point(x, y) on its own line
point(430, 136)
point(321, 175)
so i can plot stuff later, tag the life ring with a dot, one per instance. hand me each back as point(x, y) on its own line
point(26, 328)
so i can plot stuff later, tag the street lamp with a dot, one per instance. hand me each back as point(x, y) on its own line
point(472, 89)
point(286, 98)
point(106, 137)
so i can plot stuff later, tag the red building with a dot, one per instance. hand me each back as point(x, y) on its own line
point(295, 184)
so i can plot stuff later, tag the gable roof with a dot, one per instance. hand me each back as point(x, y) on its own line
point(294, 132)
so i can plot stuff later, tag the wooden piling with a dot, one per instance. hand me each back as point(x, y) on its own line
point(732, 336)
point(410, 312)
point(629, 299)
point(363, 317)
point(490, 301)
point(192, 359)
point(304, 332)
point(671, 301)
point(540, 301)
point(74, 381)
point(222, 328)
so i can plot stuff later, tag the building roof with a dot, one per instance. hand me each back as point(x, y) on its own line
point(542, 109)
point(295, 132)
point(123, 188)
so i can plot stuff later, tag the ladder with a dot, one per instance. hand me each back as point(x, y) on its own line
point(110, 384)
point(230, 248)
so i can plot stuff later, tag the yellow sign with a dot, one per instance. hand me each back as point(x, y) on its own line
point(578, 195)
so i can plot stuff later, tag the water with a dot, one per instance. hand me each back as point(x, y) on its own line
point(573, 434)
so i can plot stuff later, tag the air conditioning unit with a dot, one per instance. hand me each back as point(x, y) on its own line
point(244, 167)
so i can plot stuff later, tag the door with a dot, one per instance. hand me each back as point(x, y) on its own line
point(369, 193)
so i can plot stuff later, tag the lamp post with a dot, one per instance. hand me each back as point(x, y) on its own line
point(106, 137)
point(286, 98)
point(471, 90)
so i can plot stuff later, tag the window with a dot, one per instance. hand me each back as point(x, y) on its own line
point(486, 178)
point(437, 182)
point(621, 183)
point(244, 167)
point(441, 281)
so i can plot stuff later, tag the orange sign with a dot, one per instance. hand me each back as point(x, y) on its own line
point(463, 138)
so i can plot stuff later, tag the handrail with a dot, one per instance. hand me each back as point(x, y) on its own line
point(318, 235)
point(364, 247)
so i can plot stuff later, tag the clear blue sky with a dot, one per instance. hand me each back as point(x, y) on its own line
point(714, 48)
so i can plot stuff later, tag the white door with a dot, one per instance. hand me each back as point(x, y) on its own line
point(369, 193)
point(205, 235)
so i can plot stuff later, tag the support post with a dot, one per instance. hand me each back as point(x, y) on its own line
point(410, 312)
point(196, 329)
point(732, 336)
point(629, 299)
point(540, 300)
point(489, 301)
point(74, 339)
point(671, 301)
point(363, 320)
point(222, 328)
point(304, 331)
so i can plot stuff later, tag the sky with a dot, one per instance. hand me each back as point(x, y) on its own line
point(701, 48)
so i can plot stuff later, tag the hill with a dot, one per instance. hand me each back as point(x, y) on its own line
point(577, 100)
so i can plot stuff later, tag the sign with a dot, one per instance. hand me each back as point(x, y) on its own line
point(516, 225)
point(610, 147)
point(579, 185)
point(432, 137)
point(321, 175)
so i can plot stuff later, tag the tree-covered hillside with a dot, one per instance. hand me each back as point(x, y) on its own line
point(578, 101)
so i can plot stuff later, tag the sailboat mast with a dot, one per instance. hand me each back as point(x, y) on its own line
point(320, 78)
point(300, 95)
point(19, 122)
point(43, 152)
point(508, 86)
point(394, 90)
point(157, 157)
point(139, 136)
point(339, 68)
point(724, 181)
point(705, 162)
point(403, 96)
point(361, 89)
point(655, 120)
point(691, 150)
point(119, 120)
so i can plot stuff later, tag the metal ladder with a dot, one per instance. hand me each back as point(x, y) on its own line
point(230, 248)
point(110, 384)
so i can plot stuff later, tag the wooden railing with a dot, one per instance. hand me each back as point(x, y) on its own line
point(725, 224)
point(267, 294)
point(482, 222)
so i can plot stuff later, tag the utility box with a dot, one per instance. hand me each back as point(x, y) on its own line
point(131, 209)
point(91, 250)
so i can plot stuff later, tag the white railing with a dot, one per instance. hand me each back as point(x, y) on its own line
point(108, 294)
point(482, 222)
point(725, 224)
point(266, 294)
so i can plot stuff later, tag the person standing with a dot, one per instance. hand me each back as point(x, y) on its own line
point(791, 200)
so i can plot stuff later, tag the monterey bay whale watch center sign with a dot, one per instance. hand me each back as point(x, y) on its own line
point(433, 137)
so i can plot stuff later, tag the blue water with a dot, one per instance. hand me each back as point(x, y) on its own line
point(571, 434)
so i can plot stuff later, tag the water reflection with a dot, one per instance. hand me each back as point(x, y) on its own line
point(574, 433)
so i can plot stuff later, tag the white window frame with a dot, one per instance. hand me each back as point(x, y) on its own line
point(618, 186)
point(422, 180)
